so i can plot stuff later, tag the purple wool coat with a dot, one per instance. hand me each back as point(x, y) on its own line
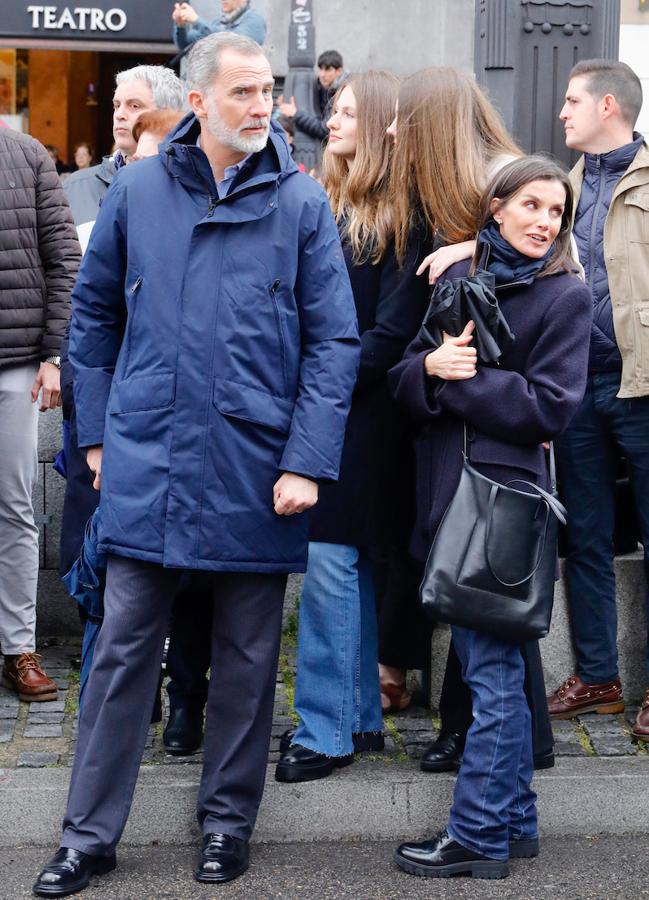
point(511, 409)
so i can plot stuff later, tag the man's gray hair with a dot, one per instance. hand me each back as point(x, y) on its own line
point(166, 87)
point(205, 57)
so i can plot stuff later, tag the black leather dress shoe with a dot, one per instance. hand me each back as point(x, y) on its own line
point(444, 754)
point(364, 741)
point(70, 871)
point(301, 764)
point(183, 734)
point(223, 858)
point(544, 760)
point(442, 857)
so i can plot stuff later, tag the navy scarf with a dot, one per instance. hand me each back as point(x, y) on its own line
point(507, 264)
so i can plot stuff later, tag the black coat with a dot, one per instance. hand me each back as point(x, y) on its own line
point(372, 503)
point(510, 410)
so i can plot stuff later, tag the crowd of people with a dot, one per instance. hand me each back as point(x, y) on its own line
point(248, 392)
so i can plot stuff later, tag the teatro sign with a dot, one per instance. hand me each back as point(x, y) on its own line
point(80, 18)
point(125, 20)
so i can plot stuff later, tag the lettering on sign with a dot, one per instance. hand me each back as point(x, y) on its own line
point(301, 16)
point(79, 18)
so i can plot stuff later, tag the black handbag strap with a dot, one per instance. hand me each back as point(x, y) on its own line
point(493, 493)
point(559, 509)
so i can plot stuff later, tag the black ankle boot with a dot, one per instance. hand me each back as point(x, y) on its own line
point(444, 754)
point(184, 732)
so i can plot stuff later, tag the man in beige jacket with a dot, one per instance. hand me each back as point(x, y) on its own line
point(611, 183)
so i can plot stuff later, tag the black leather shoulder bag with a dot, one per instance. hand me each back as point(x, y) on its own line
point(492, 563)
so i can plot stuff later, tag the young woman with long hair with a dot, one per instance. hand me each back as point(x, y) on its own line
point(449, 142)
point(508, 411)
point(337, 688)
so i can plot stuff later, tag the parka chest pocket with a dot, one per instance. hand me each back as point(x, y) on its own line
point(637, 210)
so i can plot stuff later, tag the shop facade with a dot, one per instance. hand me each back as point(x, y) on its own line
point(58, 63)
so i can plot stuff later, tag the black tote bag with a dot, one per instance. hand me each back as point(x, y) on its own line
point(492, 563)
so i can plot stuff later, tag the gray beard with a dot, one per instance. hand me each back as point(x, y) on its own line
point(230, 137)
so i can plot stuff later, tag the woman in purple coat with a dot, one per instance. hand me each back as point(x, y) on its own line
point(509, 410)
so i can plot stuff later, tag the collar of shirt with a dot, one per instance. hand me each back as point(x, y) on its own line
point(229, 173)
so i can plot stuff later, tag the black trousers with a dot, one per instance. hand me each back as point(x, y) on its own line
point(245, 639)
point(188, 656)
point(405, 632)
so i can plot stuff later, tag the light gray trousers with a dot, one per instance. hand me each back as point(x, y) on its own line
point(18, 533)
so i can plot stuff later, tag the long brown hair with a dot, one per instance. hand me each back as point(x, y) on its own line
point(511, 179)
point(359, 192)
point(448, 134)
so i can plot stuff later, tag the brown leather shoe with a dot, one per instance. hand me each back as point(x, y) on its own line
point(641, 725)
point(575, 697)
point(24, 675)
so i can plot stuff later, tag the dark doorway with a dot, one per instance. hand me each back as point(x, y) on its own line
point(109, 65)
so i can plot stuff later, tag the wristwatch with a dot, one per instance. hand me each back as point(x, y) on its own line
point(54, 361)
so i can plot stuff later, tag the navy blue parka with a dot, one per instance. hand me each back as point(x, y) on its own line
point(214, 346)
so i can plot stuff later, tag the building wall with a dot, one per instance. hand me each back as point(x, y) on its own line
point(402, 36)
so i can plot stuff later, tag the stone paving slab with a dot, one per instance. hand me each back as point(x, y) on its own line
point(44, 734)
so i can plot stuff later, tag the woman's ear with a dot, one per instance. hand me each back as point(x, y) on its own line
point(494, 207)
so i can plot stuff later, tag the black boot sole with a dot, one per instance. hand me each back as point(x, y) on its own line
point(182, 751)
point(446, 765)
point(488, 868)
point(291, 774)
point(102, 867)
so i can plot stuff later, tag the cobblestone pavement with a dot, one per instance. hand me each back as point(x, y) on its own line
point(35, 735)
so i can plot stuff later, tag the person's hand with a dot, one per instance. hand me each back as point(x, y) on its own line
point(286, 108)
point(293, 494)
point(93, 458)
point(444, 257)
point(184, 14)
point(454, 360)
point(48, 384)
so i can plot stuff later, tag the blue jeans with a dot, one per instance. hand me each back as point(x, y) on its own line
point(493, 799)
point(587, 461)
point(337, 688)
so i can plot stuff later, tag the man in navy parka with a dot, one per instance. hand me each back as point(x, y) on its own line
point(214, 348)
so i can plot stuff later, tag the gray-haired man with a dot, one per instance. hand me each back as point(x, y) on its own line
point(214, 358)
point(137, 90)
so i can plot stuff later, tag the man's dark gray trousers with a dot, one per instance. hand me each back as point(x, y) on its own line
point(119, 699)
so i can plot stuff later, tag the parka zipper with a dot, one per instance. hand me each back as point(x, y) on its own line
point(280, 332)
point(129, 322)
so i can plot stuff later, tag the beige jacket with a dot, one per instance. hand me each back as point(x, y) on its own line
point(626, 249)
